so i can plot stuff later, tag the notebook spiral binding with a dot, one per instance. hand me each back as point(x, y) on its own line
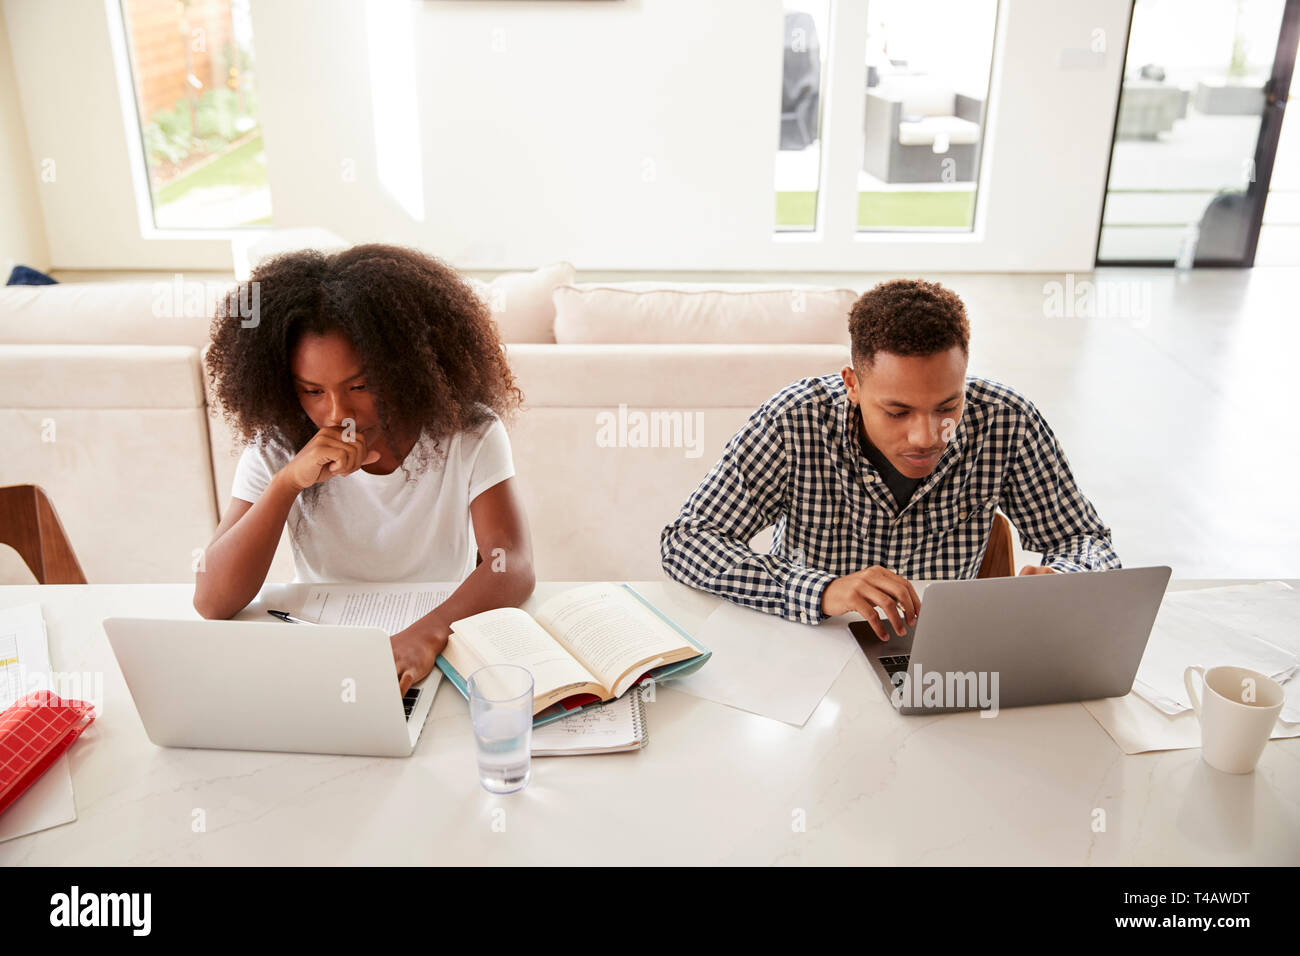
point(638, 717)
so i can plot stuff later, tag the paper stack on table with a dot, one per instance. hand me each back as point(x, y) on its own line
point(1253, 625)
point(24, 667)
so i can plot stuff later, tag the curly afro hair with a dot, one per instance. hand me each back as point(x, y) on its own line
point(907, 317)
point(427, 343)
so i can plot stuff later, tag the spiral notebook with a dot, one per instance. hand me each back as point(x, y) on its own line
point(607, 728)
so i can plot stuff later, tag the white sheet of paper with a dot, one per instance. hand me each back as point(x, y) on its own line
point(767, 665)
point(1137, 726)
point(389, 607)
point(1254, 625)
point(25, 658)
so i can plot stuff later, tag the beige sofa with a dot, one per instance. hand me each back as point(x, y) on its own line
point(102, 403)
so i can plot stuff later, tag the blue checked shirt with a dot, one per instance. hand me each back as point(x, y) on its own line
point(798, 465)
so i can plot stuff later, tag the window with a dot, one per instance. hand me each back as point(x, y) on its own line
point(928, 67)
point(920, 132)
point(799, 153)
point(196, 101)
point(1279, 235)
point(1186, 132)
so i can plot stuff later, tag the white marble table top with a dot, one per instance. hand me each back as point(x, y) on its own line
point(858, 784)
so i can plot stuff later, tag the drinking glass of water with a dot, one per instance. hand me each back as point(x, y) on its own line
point(501, 710)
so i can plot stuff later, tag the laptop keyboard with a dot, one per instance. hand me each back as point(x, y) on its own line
point(408, 702)
point(894, 665)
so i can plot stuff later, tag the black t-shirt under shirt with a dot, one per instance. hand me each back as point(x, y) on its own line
point(900, 486)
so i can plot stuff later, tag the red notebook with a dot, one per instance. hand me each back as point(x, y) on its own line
point(34, 732)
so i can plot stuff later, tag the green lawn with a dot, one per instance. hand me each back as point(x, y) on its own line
point(876, 210)
point(242, 166)
point(885, 210)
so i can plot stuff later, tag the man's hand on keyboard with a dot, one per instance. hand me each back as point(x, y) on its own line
point(876, 587)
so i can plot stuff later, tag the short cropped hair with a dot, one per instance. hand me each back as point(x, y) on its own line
point(907, 317)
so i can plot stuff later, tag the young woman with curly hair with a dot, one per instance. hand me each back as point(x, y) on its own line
point(370, 389)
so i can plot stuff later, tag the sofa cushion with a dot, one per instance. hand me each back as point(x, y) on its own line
point(99, 376)
point(697, 313)
point(521, 301)
point(666, 376)
point(159, 312)
point(115, 435)
point(614, 439)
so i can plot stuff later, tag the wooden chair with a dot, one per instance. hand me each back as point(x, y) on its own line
point(30, 525)
point(999, 559)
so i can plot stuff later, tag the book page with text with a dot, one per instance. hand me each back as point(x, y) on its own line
point(388, 608)
point(610, 631)
point(509, 636)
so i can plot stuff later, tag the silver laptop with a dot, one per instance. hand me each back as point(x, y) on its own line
point(248, 685)
point(990, 643)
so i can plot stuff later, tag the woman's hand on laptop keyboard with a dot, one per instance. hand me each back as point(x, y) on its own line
point(876, 587)
point(415, 650)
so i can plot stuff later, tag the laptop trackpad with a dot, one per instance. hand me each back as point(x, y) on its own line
point(873, 646)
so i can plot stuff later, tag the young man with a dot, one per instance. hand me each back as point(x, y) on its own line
point(888, 471)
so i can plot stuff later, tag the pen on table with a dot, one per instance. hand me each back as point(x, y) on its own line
point(286, 616)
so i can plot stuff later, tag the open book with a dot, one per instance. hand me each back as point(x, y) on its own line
point(586, 645)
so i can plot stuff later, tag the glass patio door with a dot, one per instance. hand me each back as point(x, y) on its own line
point(1196, 131)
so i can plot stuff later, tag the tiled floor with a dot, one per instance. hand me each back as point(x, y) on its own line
point(1177, 414)
point(1178, 421)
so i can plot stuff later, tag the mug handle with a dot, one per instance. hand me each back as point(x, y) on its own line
point(1191, 691)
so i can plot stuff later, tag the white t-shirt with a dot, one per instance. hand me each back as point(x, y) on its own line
point(365, 527)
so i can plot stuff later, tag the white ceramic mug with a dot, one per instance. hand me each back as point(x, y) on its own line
point(1237, 715)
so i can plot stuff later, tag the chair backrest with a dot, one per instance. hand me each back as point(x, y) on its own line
point(999, 561)
point(30, 525)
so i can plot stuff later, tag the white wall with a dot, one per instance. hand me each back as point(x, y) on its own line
point(22, 230)
point(630, 134)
